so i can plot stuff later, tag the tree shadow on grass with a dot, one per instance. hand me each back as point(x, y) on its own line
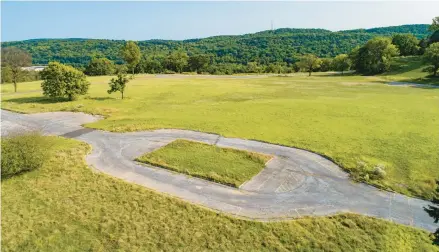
point(38, 99)
point(100, 98)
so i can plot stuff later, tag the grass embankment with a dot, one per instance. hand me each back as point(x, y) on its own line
point(65, 206)
point(356, 121)
point(223, 165)
point(409, 69)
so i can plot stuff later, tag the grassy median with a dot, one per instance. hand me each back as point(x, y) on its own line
point(223, 165)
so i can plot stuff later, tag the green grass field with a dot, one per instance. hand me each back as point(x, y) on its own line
point(223, 165)
point(66, 206)
point(409, 69)
point(358, 122)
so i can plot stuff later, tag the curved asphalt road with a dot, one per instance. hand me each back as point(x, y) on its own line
point(295, 183)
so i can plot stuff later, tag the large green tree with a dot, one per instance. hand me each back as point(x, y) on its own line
point(177, 61)
point(100, 66)
point(131, 54)
point(309, 63)
point(434, 25)
point(341, 63)
point(407, 44)
point(433, 211)
point(198, 62)
point(326, 65)
point(375, 56)
point(63, 81)
point(15, 59)
point(431, 57)
point(150, 64)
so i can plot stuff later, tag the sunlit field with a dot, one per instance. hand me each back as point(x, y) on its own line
point(358, 122)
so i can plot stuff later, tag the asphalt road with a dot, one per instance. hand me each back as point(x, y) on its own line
point(295, 183)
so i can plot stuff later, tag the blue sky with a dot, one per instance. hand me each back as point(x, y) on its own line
point(183, 20)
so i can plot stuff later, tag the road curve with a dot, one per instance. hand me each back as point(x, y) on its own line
point(295, 183)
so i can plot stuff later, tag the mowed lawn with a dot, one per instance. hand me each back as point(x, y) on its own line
point(223, 165)
point(358, 122)
point(66, 206)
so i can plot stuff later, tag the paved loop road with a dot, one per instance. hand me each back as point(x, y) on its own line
point(295, 183)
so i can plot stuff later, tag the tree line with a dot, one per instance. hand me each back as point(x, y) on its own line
point(226, 52)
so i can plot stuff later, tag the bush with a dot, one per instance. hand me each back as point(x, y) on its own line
point(63, 81)
point(22, 153)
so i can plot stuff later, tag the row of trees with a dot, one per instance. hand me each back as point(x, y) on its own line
point(267, 47)
point(371, 58)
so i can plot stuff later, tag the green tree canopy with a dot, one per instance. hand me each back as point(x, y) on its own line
point(131, 54)
point(374, 57)
point(407, 44)
point(177, 61)
point(431, 56)
point(100, 66)
point(341, 63)
point(198, 62)
point(326, 65)
point(63, 81)
point(15, 58)
point(309, 63)
point(150, 64)
point(434, 24)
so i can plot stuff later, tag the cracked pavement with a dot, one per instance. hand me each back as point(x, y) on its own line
point(295, 183)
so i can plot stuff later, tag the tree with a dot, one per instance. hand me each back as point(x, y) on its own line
point(374, 57)
point(177, 60)
point(198, 62)
point(99, 66)
point(131, 54)
point(341, 63)
point(274, 68)
point(407, 44)
point(434, 25)
point(309, 63)
point(431, 56)
point(119, 83)
point(253, 67)
point(433, 211)
point(150, 65)
point(326, 65)
point(423, 44)
point(15, 59)
point(63, 81)
point(353, 56)
point(6, 74)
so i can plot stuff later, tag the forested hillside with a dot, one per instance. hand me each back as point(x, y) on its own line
point(281, 45)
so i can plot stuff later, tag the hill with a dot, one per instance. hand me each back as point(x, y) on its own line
point(281, 45)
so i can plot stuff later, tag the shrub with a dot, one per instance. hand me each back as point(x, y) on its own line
point(63, 81)
point(22, 153)
point(379, 171)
